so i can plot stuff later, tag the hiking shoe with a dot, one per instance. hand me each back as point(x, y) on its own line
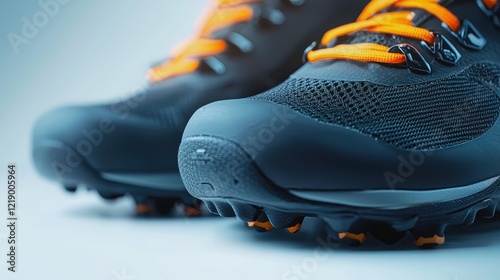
point(130, 147)
point(392, 127)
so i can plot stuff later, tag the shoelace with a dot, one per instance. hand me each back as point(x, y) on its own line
point(393, 23)
point(187, 58)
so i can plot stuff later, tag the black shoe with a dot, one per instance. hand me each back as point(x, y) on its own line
point(408, 143)
point(131, 147)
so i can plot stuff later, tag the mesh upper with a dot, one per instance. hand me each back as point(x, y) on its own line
point(434, 115)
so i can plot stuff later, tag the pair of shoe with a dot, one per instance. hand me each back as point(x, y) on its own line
point(392, 126)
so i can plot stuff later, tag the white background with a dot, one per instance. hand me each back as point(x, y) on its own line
point(93, 51)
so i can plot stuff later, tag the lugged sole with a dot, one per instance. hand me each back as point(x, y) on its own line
point(224, 176)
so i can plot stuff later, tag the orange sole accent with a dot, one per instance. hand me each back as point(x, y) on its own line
point(192, 211)
point(264, 225)
point(361, 238)
point(143, 209)
point(295, 228)
point(422, 241)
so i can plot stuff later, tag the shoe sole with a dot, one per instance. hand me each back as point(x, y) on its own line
point(149, 201)
point(224, 176)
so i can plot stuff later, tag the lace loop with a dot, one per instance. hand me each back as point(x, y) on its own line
point(376, 19)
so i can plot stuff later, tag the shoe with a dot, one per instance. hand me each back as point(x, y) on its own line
point(130, 147)
point(392, 127)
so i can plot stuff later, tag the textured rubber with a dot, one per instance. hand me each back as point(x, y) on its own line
point(223, 175)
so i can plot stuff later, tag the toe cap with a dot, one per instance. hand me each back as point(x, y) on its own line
point(297, 152)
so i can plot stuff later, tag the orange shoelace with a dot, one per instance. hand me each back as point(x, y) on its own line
point(187, 58)
point(373, 20)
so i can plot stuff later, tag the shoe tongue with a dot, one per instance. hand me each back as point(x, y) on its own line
point(376, 38)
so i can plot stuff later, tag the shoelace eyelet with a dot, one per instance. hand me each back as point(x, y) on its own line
point(415, 61)
point(494, 13)
point(312, 47)
point(240, 43)
point(469, 36)
point(213, 65)
point(443, 50)
point(270, 17)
